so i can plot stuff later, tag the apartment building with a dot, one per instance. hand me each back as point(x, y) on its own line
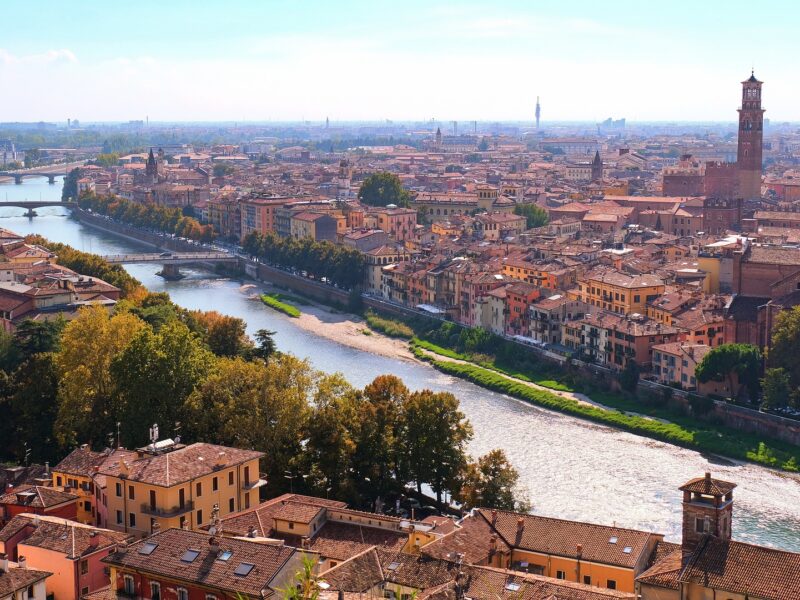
point(619, 292)
point(170, 485)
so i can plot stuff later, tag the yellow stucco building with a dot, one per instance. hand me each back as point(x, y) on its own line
point(179, 486)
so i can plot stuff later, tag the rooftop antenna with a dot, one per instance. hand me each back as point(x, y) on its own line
point(27, 453)
point(177, 431)
point(154, 435)
point(119, 424)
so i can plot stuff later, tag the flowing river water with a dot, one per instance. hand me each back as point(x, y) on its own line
point(569, 468)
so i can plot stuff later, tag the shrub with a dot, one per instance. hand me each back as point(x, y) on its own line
point(390, 327)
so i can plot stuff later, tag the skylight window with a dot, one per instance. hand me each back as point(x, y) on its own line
point(225, 555)
point(190, 555)
point(393, 566)
point(613, 540)
point(243, 570)
point(147, 548)
point(627, 549)
point(512, 586)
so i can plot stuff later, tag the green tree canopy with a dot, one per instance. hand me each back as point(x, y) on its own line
point(731, 362)
point(535, 216)
point(784, 352)
point(777, 388)
point(381, 189)
point(491, 482)
point(435, 435)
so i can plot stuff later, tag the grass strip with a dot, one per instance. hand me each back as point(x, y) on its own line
point(390, 327)
point(273, 302)
point(544, 381)
point(701, 436)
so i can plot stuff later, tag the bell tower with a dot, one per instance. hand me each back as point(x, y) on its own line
point(707, 510)
point(751, 133)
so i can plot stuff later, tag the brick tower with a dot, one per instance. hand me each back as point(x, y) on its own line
point(707, 510)
point(751, 133)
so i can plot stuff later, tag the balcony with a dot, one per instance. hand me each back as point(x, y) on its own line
point(251, 485)
point(158, 511)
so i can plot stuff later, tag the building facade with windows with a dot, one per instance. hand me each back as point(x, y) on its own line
point(180, 486)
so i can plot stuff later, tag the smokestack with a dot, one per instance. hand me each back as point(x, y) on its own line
point(494, 516)
point(94, 539)
point(520, 525)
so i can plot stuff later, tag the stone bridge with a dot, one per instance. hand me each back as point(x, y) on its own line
point(32, 205)
point(171, 261)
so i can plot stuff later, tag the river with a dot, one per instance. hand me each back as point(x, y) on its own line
point(569, 468)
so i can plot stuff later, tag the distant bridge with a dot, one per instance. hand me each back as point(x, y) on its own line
point(49, 171)
point(32, 205)
point(171, 260)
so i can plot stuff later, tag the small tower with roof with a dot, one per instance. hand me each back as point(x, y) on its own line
point(151, 168)
point(707, 510)
point(438, 138)
point(597, 167)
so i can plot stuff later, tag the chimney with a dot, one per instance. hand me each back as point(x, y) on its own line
point(520, 525)
point(251, 531)
point(94, 539)
point(122, 548)
point(492, 544)
point(494, 516)
point(213, 544)
point(708, 478)
point(580, 550)
point(3, 563)
point(22, 563)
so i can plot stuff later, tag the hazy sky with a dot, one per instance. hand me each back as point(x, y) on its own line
point(347, 59)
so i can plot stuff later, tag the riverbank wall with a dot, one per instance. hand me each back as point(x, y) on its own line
point(724, 413)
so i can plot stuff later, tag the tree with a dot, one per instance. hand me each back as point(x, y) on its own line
point(224, 335)
point(381, 189)
point(30, 338)
point(730, 362)
point(254, 405)
point(87, 408)
point(535, 216)
point(155, 374)
point(33, 408)
point(785, 348)
point(332, 432)
point(777, 388)
point(305, 585)
point(629, 376)
point(265, 345)
point(379, 435)
point(435, 435)
point(70, 189)
point(483, 145)
point(490, 482)
point(222, 169)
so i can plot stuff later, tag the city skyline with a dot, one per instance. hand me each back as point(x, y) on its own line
point(260, 62)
